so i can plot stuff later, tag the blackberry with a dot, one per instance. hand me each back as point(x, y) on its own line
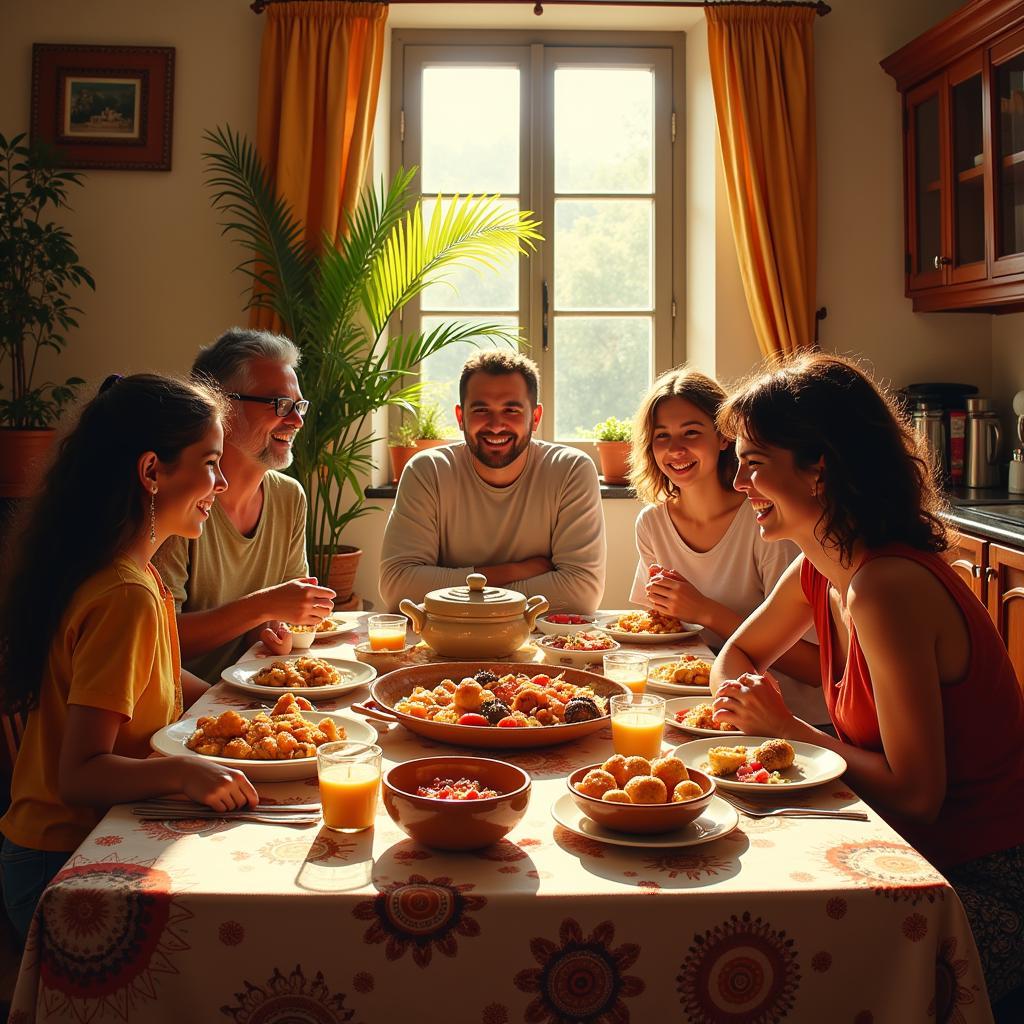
point(494, 711)
point(581, 709)
point(483, 677)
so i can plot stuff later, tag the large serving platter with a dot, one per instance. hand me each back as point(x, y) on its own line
point(171, 739)
point(354, 675)
point(389, 689)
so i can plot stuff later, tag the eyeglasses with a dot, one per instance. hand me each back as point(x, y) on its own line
point(282, 406)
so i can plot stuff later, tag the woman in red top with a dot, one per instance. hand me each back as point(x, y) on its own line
point(926, 707)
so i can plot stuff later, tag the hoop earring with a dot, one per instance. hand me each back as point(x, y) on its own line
point(152, 517)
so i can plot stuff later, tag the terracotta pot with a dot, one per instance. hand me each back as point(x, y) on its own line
point(23, 458)
point(614, 458)
point(341, 576)
point(400, 455)
point(423, 443)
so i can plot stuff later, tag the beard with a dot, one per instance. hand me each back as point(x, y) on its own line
point(498, 460)
point(275, 460)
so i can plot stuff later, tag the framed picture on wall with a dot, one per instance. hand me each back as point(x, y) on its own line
point(104, 107)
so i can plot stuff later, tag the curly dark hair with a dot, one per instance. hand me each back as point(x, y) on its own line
point(89, 506)
point(877, 483)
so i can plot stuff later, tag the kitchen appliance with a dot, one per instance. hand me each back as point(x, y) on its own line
point(950, 399)
point(930, 423)
point(983, 439)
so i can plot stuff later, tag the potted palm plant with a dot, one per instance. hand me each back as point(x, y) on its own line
point(38, 268)
point(336, 305)
point(613, 444)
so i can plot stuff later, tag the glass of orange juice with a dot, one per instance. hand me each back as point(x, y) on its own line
point(638, 721)
point(349, 775)
point(627, 668)
point(387, 632)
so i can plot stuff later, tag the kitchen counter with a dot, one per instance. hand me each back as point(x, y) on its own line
point(993, 513)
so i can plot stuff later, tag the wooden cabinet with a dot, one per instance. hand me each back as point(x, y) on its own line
point(962, 84)
point(995, 574)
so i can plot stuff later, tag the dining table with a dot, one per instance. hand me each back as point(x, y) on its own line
point(777, 919)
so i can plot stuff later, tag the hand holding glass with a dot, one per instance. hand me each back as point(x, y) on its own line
point(349, 775)
point(387, 632)
point(627, 668)
point(638, 722)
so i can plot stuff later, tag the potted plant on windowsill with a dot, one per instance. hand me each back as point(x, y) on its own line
point(336, 305)
point(613, 442)
point(427, 429)
point(38, 268)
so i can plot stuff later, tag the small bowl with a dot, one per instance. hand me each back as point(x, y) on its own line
point(643, 819)
point(302, 640)
point(577, 659)
point(543, 625)
point(456, 824)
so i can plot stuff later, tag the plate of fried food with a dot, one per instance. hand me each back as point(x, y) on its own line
point(269, 746)
point(762, 761)
point(496, 705)
point(694, 715)
point(685, 675)
point(305, 674)
point(327, 629)
point(648, 627)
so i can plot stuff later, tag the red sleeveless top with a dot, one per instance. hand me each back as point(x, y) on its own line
point(983, 722)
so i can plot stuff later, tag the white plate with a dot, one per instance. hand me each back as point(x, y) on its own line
point(340, 627)
point(577, 659)
point(170, 740)
point(564, 628)
point(684, 704)
point(356, 674)
point(718, 820)
point(679, 689)
point(692, 629)
point(812, 766)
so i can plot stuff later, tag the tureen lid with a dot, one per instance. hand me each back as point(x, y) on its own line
point(475, 600)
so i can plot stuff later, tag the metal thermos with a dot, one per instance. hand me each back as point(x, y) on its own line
point(930, 423)
point(982, 442)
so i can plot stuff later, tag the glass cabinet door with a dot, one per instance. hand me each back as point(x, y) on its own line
point(967, 150)
point(1008, 145)
point(926, 185)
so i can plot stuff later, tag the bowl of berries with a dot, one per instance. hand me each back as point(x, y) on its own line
point(580, 649)
point(564, 623)
point(454, 802)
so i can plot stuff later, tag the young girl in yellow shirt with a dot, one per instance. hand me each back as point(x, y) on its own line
point(88, 645)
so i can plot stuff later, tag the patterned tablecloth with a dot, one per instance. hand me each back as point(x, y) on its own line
point(784, 919)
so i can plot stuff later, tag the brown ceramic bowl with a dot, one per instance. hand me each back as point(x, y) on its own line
point(389, 689)
point(645, 819)
point(456, 824)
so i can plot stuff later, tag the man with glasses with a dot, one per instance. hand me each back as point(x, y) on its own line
point(247, 574)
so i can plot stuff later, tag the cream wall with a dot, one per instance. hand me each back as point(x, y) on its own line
point(164, 282)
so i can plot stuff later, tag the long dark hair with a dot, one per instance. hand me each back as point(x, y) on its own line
point(877, 486)
point(89, 506)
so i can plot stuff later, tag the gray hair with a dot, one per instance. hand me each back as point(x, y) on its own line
point(226, 361)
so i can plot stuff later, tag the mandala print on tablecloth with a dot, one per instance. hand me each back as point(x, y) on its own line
point(582, 979)
point(110, 929)
point(691, 865)
point(742, 970)
point(894, 870)
point(423, 914)
point(950, 995)
point(297, 850)
point(289, 1000)
point(167, 831)
point(537, 762)
point(578, 844)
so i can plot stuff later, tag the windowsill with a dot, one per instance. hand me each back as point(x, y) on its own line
point(608, 491)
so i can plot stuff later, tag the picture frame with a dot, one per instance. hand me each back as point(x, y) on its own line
point(104, 107)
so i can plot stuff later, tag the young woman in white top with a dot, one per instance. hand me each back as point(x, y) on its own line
point(702, 558)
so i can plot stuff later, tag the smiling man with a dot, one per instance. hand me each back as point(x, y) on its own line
point(247, 574)
point(525, 513)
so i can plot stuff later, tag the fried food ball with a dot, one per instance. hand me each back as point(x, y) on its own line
point(616, 796)
point(670, 770)
point(616, 765)
point(687, 790)
point(646, 789)
point(775, 755)
point(238, 748)
point(725, 760)
point(596, 783)
point(468, 696)
point(227, 726)
point(633, 767)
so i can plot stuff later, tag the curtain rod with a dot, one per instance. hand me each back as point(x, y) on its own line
point(819, 6)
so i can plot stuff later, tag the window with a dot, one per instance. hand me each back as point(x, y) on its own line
point(582, 132)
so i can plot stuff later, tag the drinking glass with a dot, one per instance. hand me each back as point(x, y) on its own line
point(387, 632)
point(638, 722)
point(627, 668)
point(349, 775)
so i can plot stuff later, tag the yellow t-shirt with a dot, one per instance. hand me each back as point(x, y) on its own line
point(116, 648)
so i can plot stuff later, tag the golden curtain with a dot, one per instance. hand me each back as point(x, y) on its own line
point(762, 74)
point(320, 72)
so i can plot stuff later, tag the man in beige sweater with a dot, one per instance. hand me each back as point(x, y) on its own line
point(525, 513)
point(247, 574)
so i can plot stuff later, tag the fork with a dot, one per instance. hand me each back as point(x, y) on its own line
point(270, 819)
point(791, 812)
